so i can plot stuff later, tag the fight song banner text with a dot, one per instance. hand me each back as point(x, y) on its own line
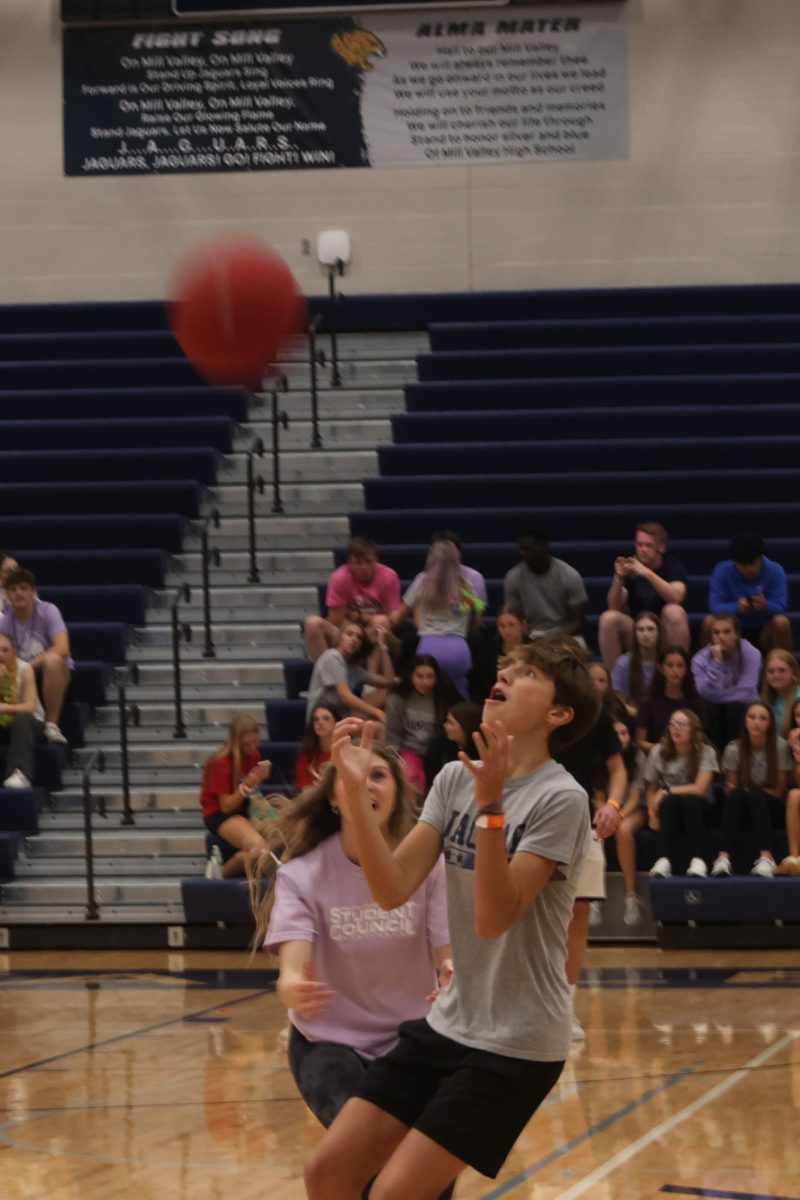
point(383, 89)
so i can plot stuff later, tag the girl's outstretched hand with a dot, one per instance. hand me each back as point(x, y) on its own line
point(494, 747)
point(352, 762)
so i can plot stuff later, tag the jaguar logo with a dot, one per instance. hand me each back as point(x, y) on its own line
point(356, 47)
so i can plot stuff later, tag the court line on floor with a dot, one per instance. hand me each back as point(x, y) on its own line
point(599, 1127)
point(717, 1194)
point(121, 1037)
point(666, 1126)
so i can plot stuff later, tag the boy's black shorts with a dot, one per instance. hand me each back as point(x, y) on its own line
point(473, 1103)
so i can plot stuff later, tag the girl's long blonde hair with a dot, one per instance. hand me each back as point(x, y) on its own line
point(769, 695)
point(231, 748)
point(310, 819)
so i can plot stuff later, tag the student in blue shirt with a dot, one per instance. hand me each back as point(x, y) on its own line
point(755, 588)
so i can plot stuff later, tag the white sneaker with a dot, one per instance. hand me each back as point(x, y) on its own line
point(697, 868)
point(661, 868)
point(214, 864)
point(17, 779)
point(764, 867)
point(632, 911)
point(53, 733)
point(789, 866)
point(595, 913)
point(578, 1032)
point(722, 865)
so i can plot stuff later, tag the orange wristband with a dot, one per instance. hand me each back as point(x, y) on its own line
point(491, 821)
point(615, 804)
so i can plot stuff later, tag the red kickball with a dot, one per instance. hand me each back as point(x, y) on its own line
point(233, 305)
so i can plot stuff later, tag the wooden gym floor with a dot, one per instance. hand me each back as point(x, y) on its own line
point(148, 1076)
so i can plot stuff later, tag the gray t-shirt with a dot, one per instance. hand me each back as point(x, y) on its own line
point(411, 722)
point(545, 599)
point(758, 761)
point(447, 623)
point(509, 994)
point(675, 773)
point(329, 669)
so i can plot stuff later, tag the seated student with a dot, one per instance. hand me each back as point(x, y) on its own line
point(512, 631)
point(7, 564)
point(363, 590)
point(348, 981)
point(651, 580)
point(229, 776)
point(339, 675)
point(755, 588)
point(780, 687)
point(672, 688)
point(756, 767)
point(40, 637)
point(457, 736)
point(611, 700)
point(415, 712)
point(632, 818)
point(634, 670)
point(726, 676)
point(315, 748)
point(678, 773)
point(791, 863)
point(21, 715)
point(446, 610)
point(549, 591)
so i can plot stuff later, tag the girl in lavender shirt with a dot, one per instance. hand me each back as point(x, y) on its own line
point(726, 676)
point(350, 973)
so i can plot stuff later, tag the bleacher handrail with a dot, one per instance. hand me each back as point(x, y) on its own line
point(254, 483)
point(315, 358)
point(180, 631)
point(96, 759)
point(122, 676)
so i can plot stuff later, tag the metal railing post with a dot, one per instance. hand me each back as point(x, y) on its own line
point(207, 557)
point(254, 484)
point(315, 358)
point(121, 677)
point(334, 269)
point(179, 632)
point(280, 420)
point(97, 759)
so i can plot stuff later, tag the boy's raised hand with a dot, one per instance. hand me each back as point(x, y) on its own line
point(494, 747)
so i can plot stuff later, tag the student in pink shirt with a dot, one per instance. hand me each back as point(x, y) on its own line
point(350, 972)
point(364, 591)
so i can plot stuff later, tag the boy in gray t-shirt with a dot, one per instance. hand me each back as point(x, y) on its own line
point(463, 1083)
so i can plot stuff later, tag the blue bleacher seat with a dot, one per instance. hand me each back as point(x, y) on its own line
point(123, 403)
point(89, 682)
point(99, 602)
point(26, 500)
point(97, 373)
point(9, 846)
point(83, 531)
point(145, 568)
point(286, 719)
point(215, 433)
point(19, 807)
point(96, 467)
point(106, 641)
point(739, 900)
point(297, 676)
point(282, 756)
point(602, 363)
point(36, 347)
point(211, 901)
point(613, 331)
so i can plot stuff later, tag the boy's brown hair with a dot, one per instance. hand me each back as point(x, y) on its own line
point(564, 661)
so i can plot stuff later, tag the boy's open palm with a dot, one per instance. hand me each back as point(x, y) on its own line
point(494, 747)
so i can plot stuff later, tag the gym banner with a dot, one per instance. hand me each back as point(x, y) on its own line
point(380, 89)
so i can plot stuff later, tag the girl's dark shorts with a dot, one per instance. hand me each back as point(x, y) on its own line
point(213, 821)
point(472, 1103)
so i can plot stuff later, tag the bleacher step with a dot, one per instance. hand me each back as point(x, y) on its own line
point(162, 808)
point(353, 432)
point(277, 531)
point(162, 716)
point(159, 866)
point(303, 466)
point(122, 890)
point(74, 913)
point(230, 673)
point(265, 636)
point(130, 843)
point(299, 498)
point(292, 568)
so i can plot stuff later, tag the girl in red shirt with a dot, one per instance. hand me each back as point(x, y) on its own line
point(229, 776)
point(315, 748)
